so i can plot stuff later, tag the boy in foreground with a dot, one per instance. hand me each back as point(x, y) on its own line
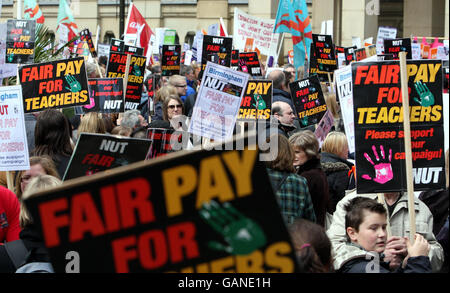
point(365, 225)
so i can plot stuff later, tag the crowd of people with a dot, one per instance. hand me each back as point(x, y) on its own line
point(333, 229)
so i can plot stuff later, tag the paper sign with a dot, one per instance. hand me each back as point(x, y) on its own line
point(384, 33)
point(218, 102)
point(344, 92)
point(13, 135)
point(260, 30)
point(6, 70)
point(323, 127)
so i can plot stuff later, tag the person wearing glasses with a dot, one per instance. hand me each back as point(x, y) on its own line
point(180, 83)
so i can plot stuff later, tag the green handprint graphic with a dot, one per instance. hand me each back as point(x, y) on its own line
point(241, 234)
point(75, 86)
point(304, 120)
point(426, 98)
point(260, 102)
point(136, 70)
point(10, 58)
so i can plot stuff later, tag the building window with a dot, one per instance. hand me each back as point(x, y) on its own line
point(108, 36)
point(189, 38)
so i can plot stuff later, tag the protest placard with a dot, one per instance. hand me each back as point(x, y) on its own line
point(218, 101)
point(187, 212)
point(249, 63)
point(82, 49)
point(323, 127)
point(103, 50)
point(13, 136)
point(216, 50)
point(349, 54)
point(384, 33)
point(398, 45)
point(54, 85)
point(379, 134)
point(169, 37)
point(133, 50)
point(163, 141)
point(308, 100)
point(20, 41)
point(344, 92)
point(360, 54)
point(257, 101)
point(117, 68)
point(85, 35)
point(117, 45)
point(314, 67)
point(105, 96)
point(95, 153)
point(170, 60)
point(6, 69)
point(324, 53)
point(234, 59)
point(260, 30)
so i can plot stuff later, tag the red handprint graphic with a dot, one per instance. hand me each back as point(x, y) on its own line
point(383, 170)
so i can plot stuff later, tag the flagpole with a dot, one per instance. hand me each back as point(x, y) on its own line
point(128, 19)
point(281, 45)
point(19, 9)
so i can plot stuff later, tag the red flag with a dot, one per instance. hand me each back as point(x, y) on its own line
point(223, 31)
point(138, 26)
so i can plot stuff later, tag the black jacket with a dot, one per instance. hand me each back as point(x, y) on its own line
point(37, 252)
point(336, 169)
point(282, 96)
point(318, 187)
point(438, 202)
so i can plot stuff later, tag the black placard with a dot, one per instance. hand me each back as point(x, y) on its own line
point(308, 100)
point(20, 41)
point(189, 212)
point(379, 133)
point(54, 85)
point(170, 60)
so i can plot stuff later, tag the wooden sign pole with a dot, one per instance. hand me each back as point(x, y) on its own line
point(125, 78)
point(408, 153)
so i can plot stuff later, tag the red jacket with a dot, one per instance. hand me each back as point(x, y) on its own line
point(9, 215)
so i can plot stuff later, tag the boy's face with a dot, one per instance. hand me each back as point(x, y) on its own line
point(372, 232)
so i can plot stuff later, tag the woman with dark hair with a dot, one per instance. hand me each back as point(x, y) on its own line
point(307, 163)
point(291, 189)
point(312, 247)
point(52, 138)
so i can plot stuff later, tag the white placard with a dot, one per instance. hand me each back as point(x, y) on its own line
point(188, 57)
point(341, 60)
point(384, 33)
point(324, 127)
point(415, 51)
point(344, 88)
point(13, 136)
point(356, 41)
point(103, 50)
point(218, 102)
point(213, 29)
point(260, 30)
